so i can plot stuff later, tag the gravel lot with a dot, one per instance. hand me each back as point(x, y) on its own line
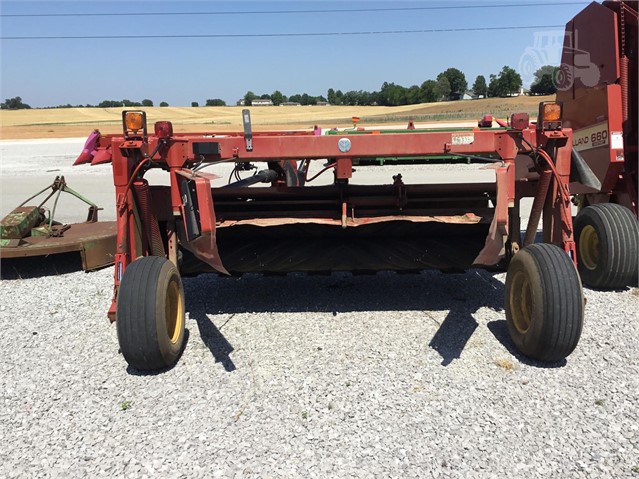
point(314, 376)
point(309, 376)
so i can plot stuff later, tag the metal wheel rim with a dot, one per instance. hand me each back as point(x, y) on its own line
point(521, 302)
point(173, 312)
point(589, 247)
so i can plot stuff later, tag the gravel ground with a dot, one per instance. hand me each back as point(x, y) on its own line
point(302, 376)
point(314, 376)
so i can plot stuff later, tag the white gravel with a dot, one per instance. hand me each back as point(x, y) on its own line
point(314, 376)
point(302, 376)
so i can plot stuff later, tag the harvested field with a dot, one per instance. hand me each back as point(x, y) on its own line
point(78, 122)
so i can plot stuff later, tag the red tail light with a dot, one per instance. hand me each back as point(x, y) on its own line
point(164, 130)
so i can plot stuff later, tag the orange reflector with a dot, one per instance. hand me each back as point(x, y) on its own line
point(551, 112)
point(134, 121)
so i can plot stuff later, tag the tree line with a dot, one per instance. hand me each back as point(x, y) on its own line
point(17, 104)
point(450, 84)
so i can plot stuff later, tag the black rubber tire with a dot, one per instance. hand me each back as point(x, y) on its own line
point(150, 314)
point(544, 302)
point(607, 237)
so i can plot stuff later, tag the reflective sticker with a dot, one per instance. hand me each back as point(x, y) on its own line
point(616, 140)
point(463, 138)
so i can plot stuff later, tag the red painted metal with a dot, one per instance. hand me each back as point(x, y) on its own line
point(485, 122)
point(245, 219)
point(601, 100)
point(519, 121)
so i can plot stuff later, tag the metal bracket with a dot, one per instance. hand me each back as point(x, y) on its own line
point(248, 132)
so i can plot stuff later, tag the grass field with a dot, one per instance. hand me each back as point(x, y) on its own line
point(77, 122)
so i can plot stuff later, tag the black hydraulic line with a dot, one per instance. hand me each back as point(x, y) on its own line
point(263, 176)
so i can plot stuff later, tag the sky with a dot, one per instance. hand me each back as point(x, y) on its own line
point(165, 66)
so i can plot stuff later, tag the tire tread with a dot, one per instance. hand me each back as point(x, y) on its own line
point(136, 309)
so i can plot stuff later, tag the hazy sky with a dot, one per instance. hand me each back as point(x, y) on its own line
point(47, 72)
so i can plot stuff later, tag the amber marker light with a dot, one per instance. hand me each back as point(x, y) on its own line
point(550, 114)
point(551, 111)
point(133, 121)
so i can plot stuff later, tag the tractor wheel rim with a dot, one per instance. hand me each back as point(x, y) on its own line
point(174, 314)
point(521, 302)
point(589, 247)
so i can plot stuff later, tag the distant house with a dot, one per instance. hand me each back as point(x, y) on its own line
point(522, 91)
point(291, 103)
point(323, 103)
point(467, 95)
point(256, 102)
point(262, 102)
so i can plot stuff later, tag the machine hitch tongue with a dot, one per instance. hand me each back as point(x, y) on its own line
point(248, 131)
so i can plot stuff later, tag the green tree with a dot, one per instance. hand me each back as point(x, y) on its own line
point(147, 102)
point(456, 80)
point(164, 103)
point(508, 82)
point(249, 97)
point(110, 104)
point(543, 71)
point(444, 87)
point(331, 96)
point(430, 91)
point(480, 87)
point(413, 95)
point(297, 98)
point(350, 98)
point(14, 103)
point(194, 104)
point(392, 95)
point(215, 102)
point(543, 83)
point(277, 98)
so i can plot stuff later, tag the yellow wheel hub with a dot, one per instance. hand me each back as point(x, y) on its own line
point(173, 312)
point(521, 302)
point(589, 247)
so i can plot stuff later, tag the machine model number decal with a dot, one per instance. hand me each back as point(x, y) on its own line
point(592, 137)
point(463, 139)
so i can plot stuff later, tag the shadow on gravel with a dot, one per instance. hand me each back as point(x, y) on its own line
point(211, 336)
point(500, 331)
point(460, 295)
point(38, 266)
